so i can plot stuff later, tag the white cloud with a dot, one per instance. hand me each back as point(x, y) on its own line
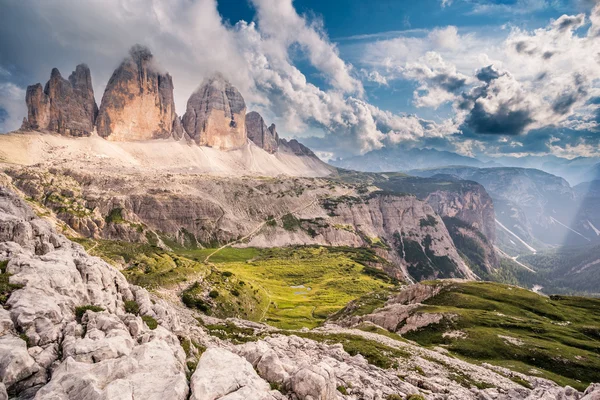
point(12, 101)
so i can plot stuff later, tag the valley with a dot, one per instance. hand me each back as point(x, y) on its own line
point(148, 255)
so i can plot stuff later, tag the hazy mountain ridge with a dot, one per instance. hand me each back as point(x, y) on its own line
point(392, 159)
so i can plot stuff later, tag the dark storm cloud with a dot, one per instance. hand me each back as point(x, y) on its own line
point(563, 104)
point(488, 74)
point(449, 83)
point(503, 121)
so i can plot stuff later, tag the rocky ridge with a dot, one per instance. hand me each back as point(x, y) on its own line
point(69, 331)
point(263, 137)
point(216, 115)
point(138, 101)
point(199, 211)
point(64, 106)
point(138, 105)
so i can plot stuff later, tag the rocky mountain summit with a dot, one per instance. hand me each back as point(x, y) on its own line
point(215, 115)
point(64, 106)
point(263, 137)
point(72, 327)
point(138, 101)
point(138, 105)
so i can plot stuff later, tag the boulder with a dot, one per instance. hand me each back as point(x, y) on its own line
point(259, 134)
point(220, 374)
point(138, 101)
point(64, 106)
point(315, 382)
point(216, 115)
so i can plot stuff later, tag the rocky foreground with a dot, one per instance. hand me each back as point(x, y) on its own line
point(73, 328)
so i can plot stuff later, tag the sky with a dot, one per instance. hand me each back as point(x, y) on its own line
point(477, 77)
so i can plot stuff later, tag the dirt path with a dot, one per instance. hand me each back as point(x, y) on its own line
point(255, 231)
point(262, 224)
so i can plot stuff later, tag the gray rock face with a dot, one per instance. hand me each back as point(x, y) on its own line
point(216, 115)
point(221, 374)
point(295, 147)
point(263, 137)
point(64, 106)
point(138, 101)
point(105, 355)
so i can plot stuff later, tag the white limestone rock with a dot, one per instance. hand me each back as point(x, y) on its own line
point(221, 374)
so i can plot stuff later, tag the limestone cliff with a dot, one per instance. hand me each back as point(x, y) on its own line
point(197, 210)
point(263, 137)
point(216, 115)
point(467, 210)
point(64, 106)
point(138, 101)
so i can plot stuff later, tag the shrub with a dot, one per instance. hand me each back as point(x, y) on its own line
point(151, 322)
point(80, 311)
point(342, 390)
point(227, 274)
point(115, 216)
point(393, 397)
point(192, 302)
point(132, 307)
point(213, 294)
point(235, 292)
point(415, 397)
point(430, 221)
point(6, 288)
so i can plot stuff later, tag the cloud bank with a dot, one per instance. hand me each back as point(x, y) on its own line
point(498, 88)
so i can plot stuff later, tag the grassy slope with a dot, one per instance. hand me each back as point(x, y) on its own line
point(557, 338)
point(256, 284)
point(330, 279)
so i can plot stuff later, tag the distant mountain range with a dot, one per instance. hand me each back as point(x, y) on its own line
point(534, 209)
point(399, 159)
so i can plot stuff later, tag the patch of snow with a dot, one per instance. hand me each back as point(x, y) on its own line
point(518, 238)
point(594, 228)
point(572, 230)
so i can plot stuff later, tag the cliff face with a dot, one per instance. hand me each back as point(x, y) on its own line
point(263, 137)
point(138, 101)
point(197, 210)
point(467, 210)
point(470, 219)
point(538, 207)
point(64, 106)
point(216, 115)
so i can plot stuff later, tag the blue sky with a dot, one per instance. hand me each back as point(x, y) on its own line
point(478, 77)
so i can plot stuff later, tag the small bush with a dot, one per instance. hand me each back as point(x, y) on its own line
point(342, 390)
point(115, 216)
point(430, 221)
point(6, 288)
point(132, 307)
point(192, 302)
point(227, 274)
point(151, 322)
point(80, 311)
point(213, 294)
point(235, 292)
point(415, 397)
